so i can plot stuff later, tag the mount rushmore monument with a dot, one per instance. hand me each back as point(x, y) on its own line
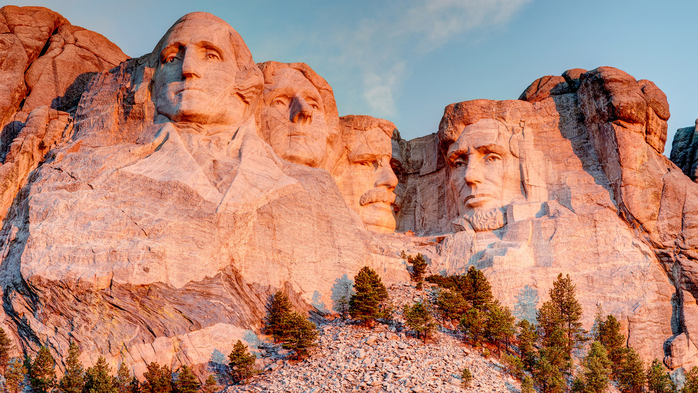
point(151, 205)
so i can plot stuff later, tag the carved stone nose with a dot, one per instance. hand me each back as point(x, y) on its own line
point(301, 112)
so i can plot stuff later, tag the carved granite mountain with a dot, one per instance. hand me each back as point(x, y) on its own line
point(150, 209)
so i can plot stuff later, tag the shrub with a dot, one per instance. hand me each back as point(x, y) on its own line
point(241, 363)
point(418, 318)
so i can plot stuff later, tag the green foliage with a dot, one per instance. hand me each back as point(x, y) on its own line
point(527, 337)
point(476, 289)
point(123, 379)
point(299, 334)
point(499, 325)
point(658, 380)
point(418, 318)
point(466, 378)
point(451, 305)
point(446, 282)
point(691, 384)
point(527, 385)
point(98, 378)
point(632, 378)
point(241, 363)
point(596, 369)
point(472, 324)
point(548, 376)
point(513, 365)
point(565, 310)
point(279, 306)
point(366, 304)
point(42, 376)
point(210, 386)
point(5, 348)
point(157, 379)
point(73, 379)
point(14, 376)
point(419, 267)
point(607, 332)
point(135, 386)
point(186, 381)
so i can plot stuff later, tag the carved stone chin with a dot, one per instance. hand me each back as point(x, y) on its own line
point(487, 220)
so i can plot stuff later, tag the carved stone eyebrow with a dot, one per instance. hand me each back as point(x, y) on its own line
point(493, 148)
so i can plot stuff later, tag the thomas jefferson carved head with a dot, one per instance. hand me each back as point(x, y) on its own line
point(481, 149)
point(298, 116)
point(364, 174)
point(204, 73)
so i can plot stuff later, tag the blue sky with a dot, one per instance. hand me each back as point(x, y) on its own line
point(405, 61)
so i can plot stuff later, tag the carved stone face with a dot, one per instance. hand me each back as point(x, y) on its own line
point(367, 180)
point(294, 121)
point(195, 78)
point(484, 175)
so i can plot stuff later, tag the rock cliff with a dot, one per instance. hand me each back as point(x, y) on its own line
point(149, 221)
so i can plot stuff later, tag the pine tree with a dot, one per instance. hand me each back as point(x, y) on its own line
point(596, 369)
point(299, 334)
point(466, 378)
point(15, 375)
point(123, 379)
point(279, 306)
point(691, 383)
point(527, 337)
point(566, 311)
point(42, 375)
point(98, 378)
point(548, 377)
point(186, 381)
point(527, 385)
point(157, 379)
point(658, 380)
point(473, 325)
point(73, 379)
point(365, 304)
point(451, 305)
point(632, 378)
point(500, 325)
point(135, 386)
point(607, 332)
point(476, 289)
point(419, 267)
point(211, 385)
point(418, 318)
point(241, 363)
point(5, 348)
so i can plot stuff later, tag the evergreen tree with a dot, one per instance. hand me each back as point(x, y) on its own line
point(451, 305)
point(5, 348)
point(473, 325)
point(134, 386)
point(596, 369)
point(123, 379)
point(299, 334)
point(691, 383)
point(186, 381)
point(419, 267)
point(527, 385)
point(211, 385)
point(500, 325)
point(566, 311)
point(513, 366)
point(658, 380)
point(241, 363)
point(607, 332)
point(366, 303)
point(42, 374)
point(15, 375)
point(98, 378)
point(279, 306)
point(418, 318)
point(548, 377)
point(157, 379)
point(527, 337)
point(73, 379)
point(476, 289)
point(632, 376)
point(466, 378)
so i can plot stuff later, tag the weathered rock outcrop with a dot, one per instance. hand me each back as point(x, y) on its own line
point(155, 225)
point(684, 151)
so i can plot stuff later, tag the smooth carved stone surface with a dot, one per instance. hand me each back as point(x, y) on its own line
point(194, 183)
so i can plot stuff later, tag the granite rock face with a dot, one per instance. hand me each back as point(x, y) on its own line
point(151, 205)
point(684, 151)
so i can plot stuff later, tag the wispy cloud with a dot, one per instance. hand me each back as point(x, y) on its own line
point(380, 48)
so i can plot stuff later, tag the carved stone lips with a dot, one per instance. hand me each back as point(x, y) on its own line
point(478, 199)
